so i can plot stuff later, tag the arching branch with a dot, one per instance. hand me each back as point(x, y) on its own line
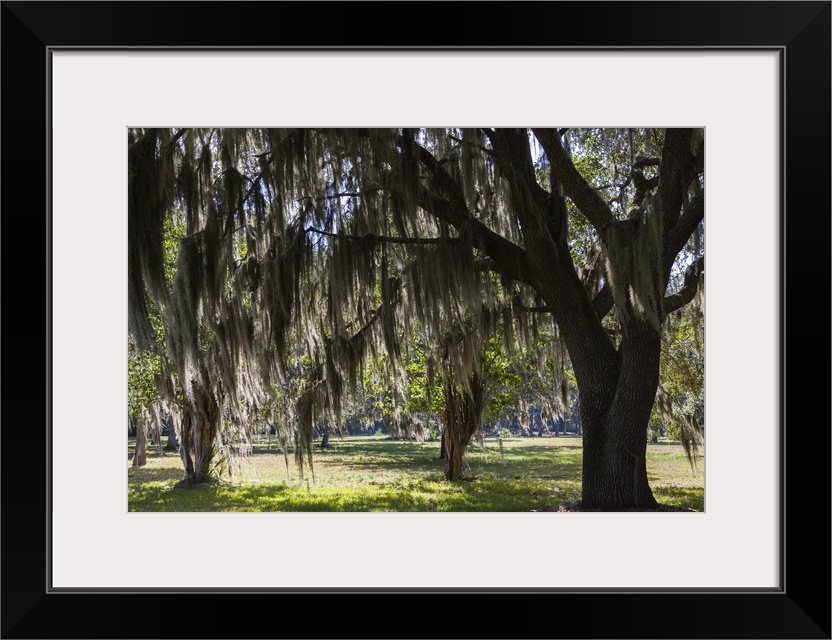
point(450, 186)
point(591, 205)
point(693, 276)
point(532, 203)
point(376, 313)
point(676, 171)
point(508, 257)
point(603, 301)
point(678, 235)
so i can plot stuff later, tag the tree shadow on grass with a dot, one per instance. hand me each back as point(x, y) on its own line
point(424, 496)
point(267, 498)
point(479, 494)
point(143, 475)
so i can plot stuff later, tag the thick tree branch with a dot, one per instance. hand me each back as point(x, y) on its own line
point(255, 181)
point(675, 171)
point(678, 235)
point(374, 314)
point(590, 204)
point(646, 162)
point(511, 150)
point(643, 185)
point(509, 259)
point(485, 150)
point(693, 276)
point(443, 179)
point(603, 301)
point(178, 135)
point(532, 203)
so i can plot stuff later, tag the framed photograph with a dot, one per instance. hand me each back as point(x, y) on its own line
point(754, 76)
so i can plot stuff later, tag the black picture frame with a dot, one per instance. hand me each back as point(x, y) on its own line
point(800, 608)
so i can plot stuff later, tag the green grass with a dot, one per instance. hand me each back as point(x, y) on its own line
point(372, 473)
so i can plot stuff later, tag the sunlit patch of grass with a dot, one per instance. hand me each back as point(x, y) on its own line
point(688, 497)
point(378, 474)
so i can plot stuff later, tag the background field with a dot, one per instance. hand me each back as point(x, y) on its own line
point(374, 473)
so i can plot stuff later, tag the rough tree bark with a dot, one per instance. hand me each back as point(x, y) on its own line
point(199, 433)
point(172, 443)
point(614, 414)
point(157, 439)
point(140, 454)
point(460, 419)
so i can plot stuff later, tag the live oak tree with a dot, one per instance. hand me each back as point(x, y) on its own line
point(342, 241)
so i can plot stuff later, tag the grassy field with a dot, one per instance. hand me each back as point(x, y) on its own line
point(372, 473)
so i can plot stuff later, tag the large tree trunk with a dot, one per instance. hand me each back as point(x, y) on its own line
point(186, 446)
point(390, 426)
point(455, 460)
point(199, 433)
point(172, 444)
point(615, 429)
point(461, 418)
point(140, 454)
point(157, 439)
point(205, 438)
point(617, 388)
